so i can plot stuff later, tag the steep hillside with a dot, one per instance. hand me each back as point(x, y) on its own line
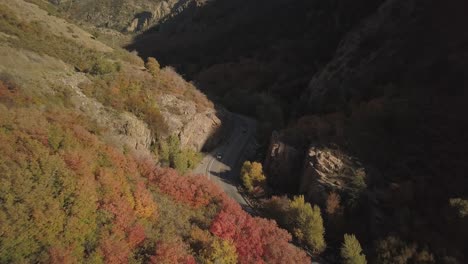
point(253, 56)
point(239, 53)
point(87, 134)
point(386, 111)
point(127, 16)
point(99, 68)
point(361, 108)
point(370, 95)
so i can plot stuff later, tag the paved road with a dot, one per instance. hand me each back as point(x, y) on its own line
point(223, 164)
point(225, 171)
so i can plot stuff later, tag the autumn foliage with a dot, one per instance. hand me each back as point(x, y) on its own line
point(172, 252)
point(194, 190)
point(257, 240)
point(301, 218)
point(69, 197)
point(252, 175)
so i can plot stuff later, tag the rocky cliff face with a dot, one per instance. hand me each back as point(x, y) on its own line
point(382, 77)
point(196, 130)
point(314, 171)
point(368, 54)
point(399, 80)
point(327, 170)
point(123, 128)
point(402, 42)
point(42, 74)
point(126, 16)
point(281, 165)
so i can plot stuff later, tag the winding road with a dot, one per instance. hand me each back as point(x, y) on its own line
point(223, 164)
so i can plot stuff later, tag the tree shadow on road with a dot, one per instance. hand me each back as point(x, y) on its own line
point(227, 177)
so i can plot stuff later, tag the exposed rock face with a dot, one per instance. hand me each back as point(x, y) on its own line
point(130, 15)
point(327, 170)
point(140, 22)
point(362, 57)
point(403, 41)
point(201, 132)
point(282, 164)
point(124, 128)
point(133, 131)
point(196, 130)
point(313, 172)
point(400, 79)
point(133, 25)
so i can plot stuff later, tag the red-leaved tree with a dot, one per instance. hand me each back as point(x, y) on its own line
point(257, 240)
point(172, 252)
point(194, 190)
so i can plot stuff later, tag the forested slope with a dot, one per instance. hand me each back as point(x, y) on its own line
point(87, 140)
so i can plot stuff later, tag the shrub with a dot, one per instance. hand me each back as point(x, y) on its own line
point(104, 66)
point(122, 54)
point(278, 208)
point(153, 67)
point(333, 203)
point(55, 138)
point(357, 187)
point(173, 155)
point(33, 36)
point(394, 250)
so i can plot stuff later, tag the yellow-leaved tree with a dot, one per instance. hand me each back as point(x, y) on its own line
point(351, 251)
point(220, 251)
point(307, 224)
point(252, 175)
